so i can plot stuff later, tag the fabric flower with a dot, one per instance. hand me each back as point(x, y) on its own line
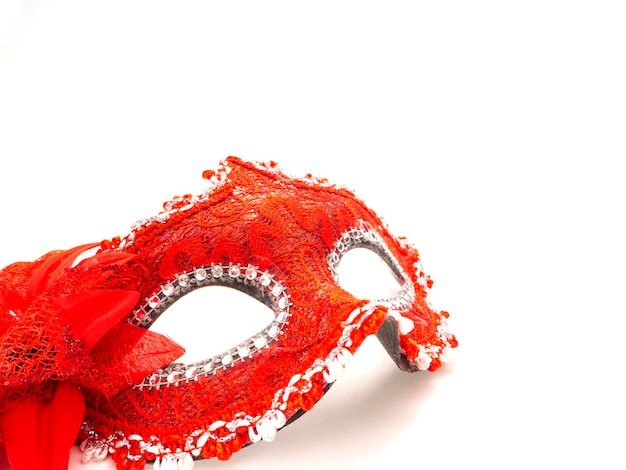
point(62, 333)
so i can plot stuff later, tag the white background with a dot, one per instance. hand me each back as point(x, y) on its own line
point(492, 134)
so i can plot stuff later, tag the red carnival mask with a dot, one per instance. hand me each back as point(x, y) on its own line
point(75, 339)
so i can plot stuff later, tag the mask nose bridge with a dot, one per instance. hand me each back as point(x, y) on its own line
point(389, 332)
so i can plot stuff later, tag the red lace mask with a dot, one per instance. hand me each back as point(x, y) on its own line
point(75, 338)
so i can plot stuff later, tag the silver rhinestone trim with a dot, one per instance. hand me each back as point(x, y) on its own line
point(248, 279)
point(364, 236)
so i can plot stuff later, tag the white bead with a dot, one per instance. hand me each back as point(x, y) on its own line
point(355, 313)
point(183, 280)
point(185, 462)
point(202, 440)
point(277, 290)
point(423, 361)
point(168, 289)
point(260, 342)
point(243, 351)
point(217, 271)
point(254, 436)
point(277, 418)
point(273, 331)
point(167, 462)
point(216, 425)
point(250, 273)
point(101, 454)
point(265, 280)
point(268, 433)
point(93, 451)
point(154, 302)
point(264, 431)
point(162, 217)
point(294, 380)
point(137, 225)
point(282, 316)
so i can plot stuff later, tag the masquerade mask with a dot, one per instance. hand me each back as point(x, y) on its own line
point(77, 355)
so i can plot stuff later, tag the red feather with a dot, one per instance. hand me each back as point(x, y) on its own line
point(45, 273)
point(93, 314)
point(128, 354)
point(108, 258)
point(39, 435)
point(66, 413)
point(17, 423)
point(152, 352)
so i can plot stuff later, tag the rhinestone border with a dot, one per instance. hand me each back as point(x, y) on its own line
point(248, 279)
point(364, 236)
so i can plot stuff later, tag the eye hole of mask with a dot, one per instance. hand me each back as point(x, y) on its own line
point(211, 320)
point(366, 275)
